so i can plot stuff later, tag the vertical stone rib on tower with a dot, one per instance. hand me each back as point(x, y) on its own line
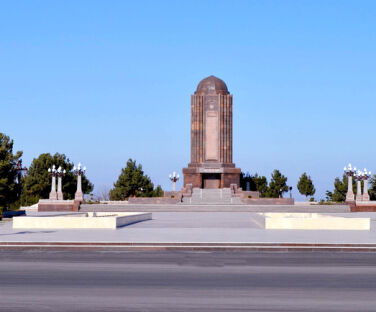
point(222, 99)
point(201, 130)
point(193, 134)
point(231, 130)
point(196, 129)
point(227, 122)
point(226, 131)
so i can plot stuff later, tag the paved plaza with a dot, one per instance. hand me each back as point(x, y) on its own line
point(175, 227)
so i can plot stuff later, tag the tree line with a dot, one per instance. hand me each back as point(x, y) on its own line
point(277, 185)
point(18, 190)
point(275, 188)
point(340, 189)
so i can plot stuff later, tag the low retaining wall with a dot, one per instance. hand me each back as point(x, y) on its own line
point(113, 202)
point(359, 206)
point(363, 208)
point(153, 200)
point(253, 194)
point(172, 194)
point(268, 201)
point(58, 205)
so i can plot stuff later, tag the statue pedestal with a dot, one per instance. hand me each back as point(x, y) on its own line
point(211, 177)
point(58, 205)
point(79, 196)
point(350, 197)
point(53, 195)
point(60, 195)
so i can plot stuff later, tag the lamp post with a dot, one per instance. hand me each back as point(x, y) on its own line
point(358, 178)
point(21, 171)
point(350, 172)
point(52, 172)
point(174, 178)
point(366, 176)
point(60, 172)
point(138, 191)
point(280, 193)
point(79, 196)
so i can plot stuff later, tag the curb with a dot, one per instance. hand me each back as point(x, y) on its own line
point(128, 246)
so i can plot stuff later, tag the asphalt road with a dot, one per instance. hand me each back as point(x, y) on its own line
point(187, 281)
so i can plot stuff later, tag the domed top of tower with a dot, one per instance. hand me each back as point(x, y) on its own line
point(211, 85)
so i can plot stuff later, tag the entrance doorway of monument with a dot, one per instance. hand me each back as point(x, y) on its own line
point(211, 180)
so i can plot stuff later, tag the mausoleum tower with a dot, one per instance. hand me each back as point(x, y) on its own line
point(211, 163)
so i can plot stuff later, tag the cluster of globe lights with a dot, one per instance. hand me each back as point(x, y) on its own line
point(56, 172)
point(173, 177)
point(59, 171)
point(78, 170)
point(360, 175)
point(363, 175)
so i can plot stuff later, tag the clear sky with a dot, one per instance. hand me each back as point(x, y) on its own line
point(103, 81)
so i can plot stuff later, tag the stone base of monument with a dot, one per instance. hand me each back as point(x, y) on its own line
point(58, 205)
point(363, 206)
point(313, 221)
point(88, 220)
point(229, 196)
point(220, 196)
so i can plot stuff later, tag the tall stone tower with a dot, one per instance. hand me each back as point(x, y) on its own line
point(211, 163)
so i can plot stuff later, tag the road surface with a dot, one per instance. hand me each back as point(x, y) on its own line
point(186, 281)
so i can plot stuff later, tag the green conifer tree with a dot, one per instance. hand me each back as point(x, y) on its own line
point(277, 185)
point(133, 182)
point(340, 189)
point(305, 186)
point(261, 183)
point(10, 186)
point(372, 189)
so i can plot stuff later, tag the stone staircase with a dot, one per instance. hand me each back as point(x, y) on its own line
point(212, 196)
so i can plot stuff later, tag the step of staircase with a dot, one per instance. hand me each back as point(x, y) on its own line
point(212, 196)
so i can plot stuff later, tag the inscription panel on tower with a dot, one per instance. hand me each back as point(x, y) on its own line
point(211, 136)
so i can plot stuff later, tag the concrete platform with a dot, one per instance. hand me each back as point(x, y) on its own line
point(194, 227)
point(89, 220)
point(314, 221)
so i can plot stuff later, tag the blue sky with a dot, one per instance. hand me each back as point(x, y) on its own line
point(103, 81)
